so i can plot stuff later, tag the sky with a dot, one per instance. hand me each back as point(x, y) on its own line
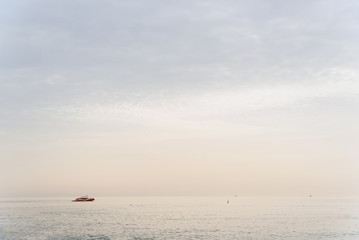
point(154, 97)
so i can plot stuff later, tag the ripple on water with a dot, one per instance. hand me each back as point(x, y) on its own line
point(180, 218)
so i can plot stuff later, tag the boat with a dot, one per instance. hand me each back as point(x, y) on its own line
point(83, 199)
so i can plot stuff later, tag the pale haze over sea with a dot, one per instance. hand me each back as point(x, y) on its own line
point(179, 98)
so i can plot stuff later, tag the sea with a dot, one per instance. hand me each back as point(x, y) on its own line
point(150, 218)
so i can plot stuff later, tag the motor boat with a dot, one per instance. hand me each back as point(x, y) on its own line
point(83, 199)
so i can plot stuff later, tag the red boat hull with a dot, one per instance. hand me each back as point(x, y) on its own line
point(83, 200)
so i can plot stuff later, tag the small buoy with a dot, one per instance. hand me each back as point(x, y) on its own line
point(227, 201)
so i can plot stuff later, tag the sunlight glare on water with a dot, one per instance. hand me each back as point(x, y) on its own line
point(180, 218)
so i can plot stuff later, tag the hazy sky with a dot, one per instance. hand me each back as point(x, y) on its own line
point(141, 97)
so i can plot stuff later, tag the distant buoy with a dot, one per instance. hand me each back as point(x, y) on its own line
point(227, 201)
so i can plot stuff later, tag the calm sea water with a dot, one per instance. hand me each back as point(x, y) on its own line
point(180, 218)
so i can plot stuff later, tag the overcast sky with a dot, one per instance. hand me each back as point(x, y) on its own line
point(159, 97)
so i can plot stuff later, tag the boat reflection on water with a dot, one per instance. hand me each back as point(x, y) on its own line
point(83, 199)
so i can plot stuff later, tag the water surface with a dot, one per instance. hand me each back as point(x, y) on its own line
point(180, 218)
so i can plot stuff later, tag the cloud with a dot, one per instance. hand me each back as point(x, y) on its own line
point(141, 35)
point(177, 85)
point(211, 104)
point(162, 61)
